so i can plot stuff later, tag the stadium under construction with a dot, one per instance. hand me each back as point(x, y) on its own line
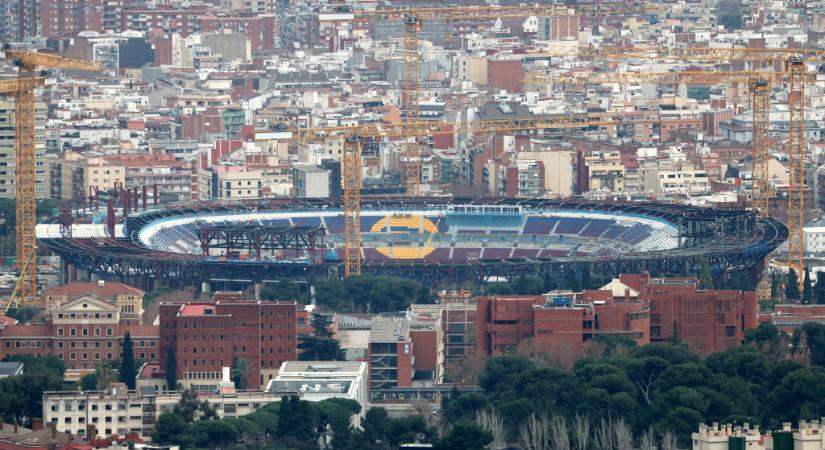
point(439, 241)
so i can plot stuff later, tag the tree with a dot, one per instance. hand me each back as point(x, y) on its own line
point(284, 289)
point(581, 432)
point(190, 409)
point(464, 435)
point(705, 276)
point(807, 290)
point(571, 280)
point(88, 382)
point(171, 368)
point(792, 286)
point(98, 380)
point(534, 434)
point(316, 348)
point(169, 428)
point(776, 283)
point(819, 288)
point(321, 323)
point(296, 420)
point(23, 313)
point(128, 371)
point(491, 421)
point(241, 370)
point(586, 281)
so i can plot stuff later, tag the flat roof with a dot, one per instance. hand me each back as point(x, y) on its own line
point(389, 329)
point(353, 339)
point(196, 309)
point(309, 386)
point(320, 367)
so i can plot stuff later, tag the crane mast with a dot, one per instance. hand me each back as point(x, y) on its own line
point(25, 152)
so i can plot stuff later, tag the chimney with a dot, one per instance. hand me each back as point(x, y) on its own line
point(16, 427)
point(37, 424)
point(52, 429)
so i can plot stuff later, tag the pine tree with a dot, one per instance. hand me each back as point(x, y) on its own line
point(587, 282)
point(705, 276)
point(128, 372)
point(775, 284)
point(792, 286)
point(807, 291)
point(172, 368)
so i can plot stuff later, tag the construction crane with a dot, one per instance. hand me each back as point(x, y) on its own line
point(16, 299)
point(413, 20)
point(793, 61)
point(351, 158)
point(759, 83)
point(28, 63)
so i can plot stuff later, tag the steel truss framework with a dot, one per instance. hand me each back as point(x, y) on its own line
point(727, 240)
point(257, 238)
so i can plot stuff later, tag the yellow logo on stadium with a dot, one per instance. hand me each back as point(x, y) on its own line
point(406, 224)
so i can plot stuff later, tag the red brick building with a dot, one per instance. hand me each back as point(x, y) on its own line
point(636, 306)
point(505, 74)
point(84, 333)
point(707, 321)
point(206, 337)
point(562, 325)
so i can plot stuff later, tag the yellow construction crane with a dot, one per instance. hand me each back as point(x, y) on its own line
point(413, 20)
point(16, 299)
point(793, 61)
point(759, 83)
point(351, 159)
point(28, 63)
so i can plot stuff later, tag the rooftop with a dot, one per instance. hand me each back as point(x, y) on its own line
point(320, 367)
point(102, 289)
point(390, 329)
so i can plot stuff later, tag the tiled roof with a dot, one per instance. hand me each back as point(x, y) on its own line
point(106, 290)
point(13, 331)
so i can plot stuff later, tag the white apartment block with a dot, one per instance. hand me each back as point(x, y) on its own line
point(7, 152)
point(120, 411)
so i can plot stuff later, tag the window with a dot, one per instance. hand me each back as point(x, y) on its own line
point(72, 332)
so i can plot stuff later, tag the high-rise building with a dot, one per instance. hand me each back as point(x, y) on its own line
point(7, 150)
point(23, 19)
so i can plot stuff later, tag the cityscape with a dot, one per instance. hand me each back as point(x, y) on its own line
point(409, 224)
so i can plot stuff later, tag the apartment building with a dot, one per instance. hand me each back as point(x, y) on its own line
point(76, 176)
point(121, 411)
point(310, 181)
point(605, 172)
point(172, 176)
point(205, 337)
point(8, 141)
point(225, 182)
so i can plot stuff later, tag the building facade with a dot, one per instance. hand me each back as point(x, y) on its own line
point(127, 299)
point(8, 141)
point(205, 337)
point(84, 333)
